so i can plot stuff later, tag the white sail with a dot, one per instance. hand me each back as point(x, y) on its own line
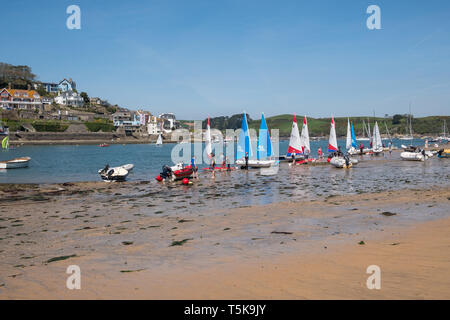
point(348, 143)
point(295, 143)
point(305, 137)
point(332, 141)
point(376, 142)
point(159, 140)
point(208, 146)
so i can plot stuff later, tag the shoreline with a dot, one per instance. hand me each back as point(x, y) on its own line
point(284, 250)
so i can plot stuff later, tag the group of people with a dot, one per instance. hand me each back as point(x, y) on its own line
point(213, 163)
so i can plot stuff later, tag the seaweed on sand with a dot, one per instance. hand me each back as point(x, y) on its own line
point(388, 214)
point(60, 258)
point(179, 243)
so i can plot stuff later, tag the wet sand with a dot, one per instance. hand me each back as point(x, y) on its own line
point(128, 248)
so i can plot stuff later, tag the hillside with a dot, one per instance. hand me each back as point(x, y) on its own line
point(431, 125)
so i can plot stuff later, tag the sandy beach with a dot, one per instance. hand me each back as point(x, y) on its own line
point(129, 249)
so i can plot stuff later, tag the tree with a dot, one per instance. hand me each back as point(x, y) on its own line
point(41, 90)
point(18, 76)
point(397, 118)
point(85, 97)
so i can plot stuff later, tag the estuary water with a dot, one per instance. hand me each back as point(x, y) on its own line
point(73, 163)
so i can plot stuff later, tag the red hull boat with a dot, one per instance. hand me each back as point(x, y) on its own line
point(177, 172)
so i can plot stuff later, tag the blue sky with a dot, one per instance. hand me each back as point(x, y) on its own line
point(200, 58)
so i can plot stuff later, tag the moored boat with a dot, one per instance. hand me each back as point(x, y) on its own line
point(114, 174)
point(15, 163)
point(176, 172)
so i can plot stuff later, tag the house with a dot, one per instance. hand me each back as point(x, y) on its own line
point(69, 98)
point(154, 125)
point(11, 99)
point(119, 118)
point(170, 122)
point(143, 116)
point(67, 85)
point(48, 86)
point(130, 122)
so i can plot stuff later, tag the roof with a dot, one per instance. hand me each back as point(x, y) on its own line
point(29, 93)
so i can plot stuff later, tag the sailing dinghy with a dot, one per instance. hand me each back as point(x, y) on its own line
point(159, 141)
point(377, 144)
point(208, 140)
point(295, 144)
point(264, 146)
point(338, 161)
point(351, 139)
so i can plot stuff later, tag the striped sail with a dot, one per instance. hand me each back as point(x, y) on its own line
point(332, 141)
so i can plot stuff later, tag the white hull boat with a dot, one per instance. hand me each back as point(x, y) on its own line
point(377, 151)
point(15, 163)
point(415, 156)
point(115, 173)
point(340, 162)
point(256, 163)
point(128, 167)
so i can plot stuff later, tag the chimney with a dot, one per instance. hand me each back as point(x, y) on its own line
point(9, 85)
point(29, 87)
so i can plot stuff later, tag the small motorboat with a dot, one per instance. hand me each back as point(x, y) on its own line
point(113, 174)
point(176, 172)
point(15, 163)
point(103, 145)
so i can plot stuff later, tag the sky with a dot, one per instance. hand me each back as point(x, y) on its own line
point(209, 57)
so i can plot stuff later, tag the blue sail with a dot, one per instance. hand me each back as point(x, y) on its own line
point(353, 136)
point(244, 140)
point(264, 149)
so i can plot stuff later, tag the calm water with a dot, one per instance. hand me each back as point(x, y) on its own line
point(64, 163)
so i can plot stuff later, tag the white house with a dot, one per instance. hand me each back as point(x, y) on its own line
point(153, 125)
point(69, 98)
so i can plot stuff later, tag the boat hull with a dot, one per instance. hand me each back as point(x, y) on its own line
point(114, 174)
point(256, 163)
point(340, 162)
point(15, 163)
point(413, 156)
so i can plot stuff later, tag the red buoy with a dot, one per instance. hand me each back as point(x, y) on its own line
point(185, 181)
point(159, 178)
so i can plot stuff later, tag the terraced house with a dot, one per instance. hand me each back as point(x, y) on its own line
point(18, 99)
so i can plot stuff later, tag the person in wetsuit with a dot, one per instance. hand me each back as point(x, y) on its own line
point(166, 172)
point(347, 160)
point(246, 161)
